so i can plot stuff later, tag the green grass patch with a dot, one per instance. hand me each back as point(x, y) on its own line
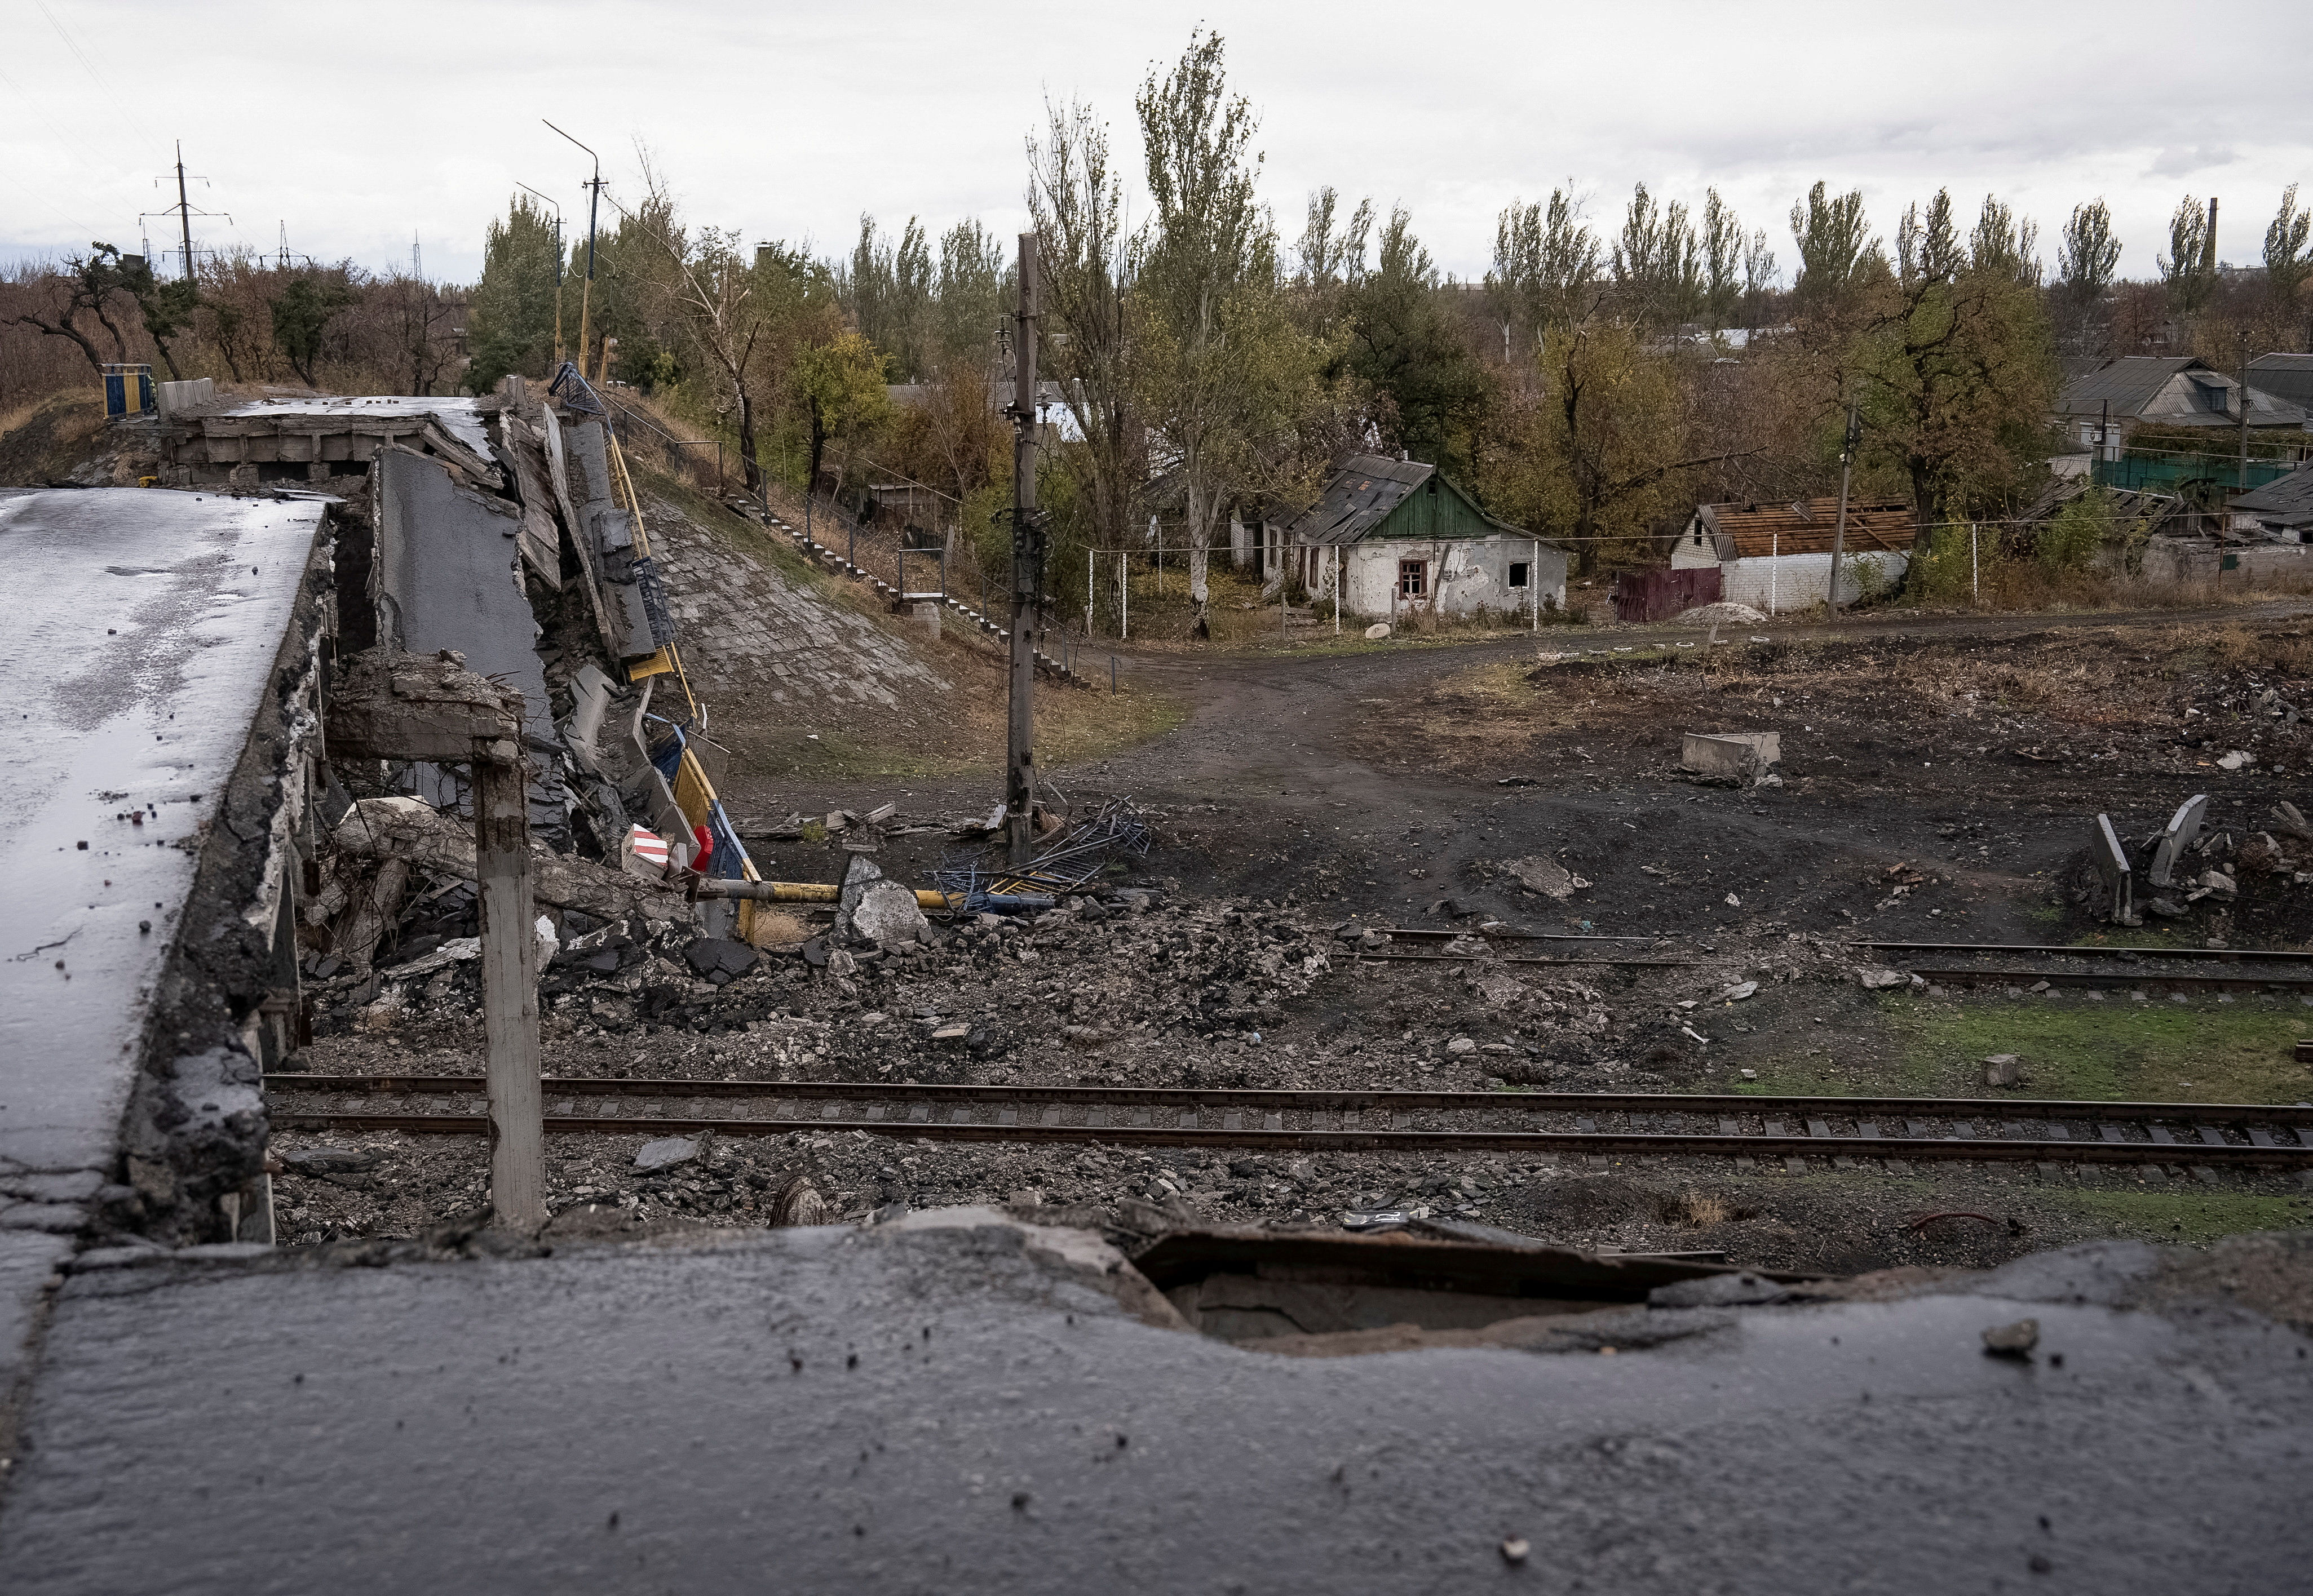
point(2188, 1215)
point(2117, 1050)
point(2120, 1049)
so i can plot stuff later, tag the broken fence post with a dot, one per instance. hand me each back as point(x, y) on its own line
point(509, 985)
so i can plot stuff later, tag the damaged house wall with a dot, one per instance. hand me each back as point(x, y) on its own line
point(1402, 537)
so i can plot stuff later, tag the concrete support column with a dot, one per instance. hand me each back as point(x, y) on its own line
point(509, 987)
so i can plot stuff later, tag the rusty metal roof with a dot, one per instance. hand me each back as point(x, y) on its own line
point(1806, 527)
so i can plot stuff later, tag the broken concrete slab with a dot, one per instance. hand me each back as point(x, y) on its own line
point(2183, 830)
point(387, 704)
point(665, 1153)
point(858, 874)
point(1739, 755)
point(407, 829)
point(720, 959)
point(887, 914)
point(2112, 865)
point(155, 785)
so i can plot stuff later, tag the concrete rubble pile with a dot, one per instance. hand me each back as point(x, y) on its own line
point(2243, 875)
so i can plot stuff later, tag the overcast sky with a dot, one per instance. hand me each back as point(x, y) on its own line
point(361, 128)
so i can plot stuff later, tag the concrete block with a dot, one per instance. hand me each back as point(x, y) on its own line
point(174, 397)
point(1730, 753)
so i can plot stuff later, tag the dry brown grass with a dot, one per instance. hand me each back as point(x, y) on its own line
point(776, 928)
point(1696, 1210)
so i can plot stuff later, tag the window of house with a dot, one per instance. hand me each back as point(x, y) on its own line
point(1517, 573)
point(1413, 578)
point(1698, 534)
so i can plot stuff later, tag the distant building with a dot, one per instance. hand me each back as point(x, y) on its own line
point(2104, 408)
point(2164, 390)
point(2288, 377)
point(1778, 557)
point(2281, 511)
point(1403, 537)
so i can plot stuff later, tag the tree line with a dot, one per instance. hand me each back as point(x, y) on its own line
point(1599, 377)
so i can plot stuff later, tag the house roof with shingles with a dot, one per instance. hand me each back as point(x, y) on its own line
point(1363, 490)
point(1358, 497)
point(1806, 526)
point(2288, 376)
point(2144, 388)
point(2284, 502)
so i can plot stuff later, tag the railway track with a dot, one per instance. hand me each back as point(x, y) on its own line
point(1845, 1130)
point(2110, 980)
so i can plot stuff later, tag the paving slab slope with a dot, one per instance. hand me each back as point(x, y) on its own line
point(764, 644)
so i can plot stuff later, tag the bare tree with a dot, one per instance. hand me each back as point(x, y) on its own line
point(1076, 200)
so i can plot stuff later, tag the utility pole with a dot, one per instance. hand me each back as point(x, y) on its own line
point(557, 278)
point(184, 207)
point(593, 187)
point(1027, 571)
point(2244, 414)
point(1839, 528)
point(184, 211)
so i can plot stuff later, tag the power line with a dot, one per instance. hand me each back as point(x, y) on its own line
point(117, 99)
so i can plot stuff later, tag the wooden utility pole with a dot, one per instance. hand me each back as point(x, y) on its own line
point(1028, 570)
point(2244, 414)
point(509, 985)
point(1839, 528)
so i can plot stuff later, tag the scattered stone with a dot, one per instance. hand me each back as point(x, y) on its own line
point(1516, 1550)
point(858, 875)
point(1378, 631)
point(666, 1153)
point(887, 914)
point(331, 1161)
point(1739, 991)
point(2012, 1340)
point(1879, 980)
point(1538, 873)
point(1460, 1045)
point(2162, 908)
point(2236, 760)
point(2002, 1069)
point(720, 960)
point(1733, 902)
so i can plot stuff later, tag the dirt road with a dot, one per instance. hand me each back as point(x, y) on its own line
point(1371, 781)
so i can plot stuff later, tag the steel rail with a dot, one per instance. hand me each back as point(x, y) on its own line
point(1225, 1098)
point(2180, 979)
point(2094, 952)
point(1361, 957)
point(1430, 933)
point(1578, 1143)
